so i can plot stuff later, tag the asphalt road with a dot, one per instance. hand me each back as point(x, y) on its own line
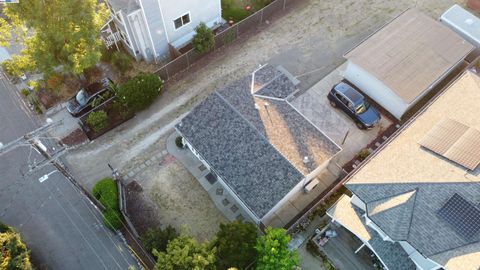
point(60, 226)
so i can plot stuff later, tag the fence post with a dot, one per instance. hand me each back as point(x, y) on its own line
point(261, 15)
point(284, 4)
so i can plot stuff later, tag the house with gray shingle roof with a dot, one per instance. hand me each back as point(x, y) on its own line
point(258, 146)
point(422, 206)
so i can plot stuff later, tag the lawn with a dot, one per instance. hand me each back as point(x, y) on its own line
point(236, 9)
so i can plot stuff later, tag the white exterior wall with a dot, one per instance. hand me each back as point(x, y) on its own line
point(154, 26)
point(358, 203)
point(207, 11)
point(375, 89)
point(420, 261)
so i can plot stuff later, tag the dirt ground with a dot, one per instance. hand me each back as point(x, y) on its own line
point(308, 41)
point(172, 196)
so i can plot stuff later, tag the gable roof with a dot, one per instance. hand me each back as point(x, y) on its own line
point(403, 165)
point(394, 213)
point(352, 218)
point(257, 145)
point(410, 53)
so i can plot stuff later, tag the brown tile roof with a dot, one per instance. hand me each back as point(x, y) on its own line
point(410, 53)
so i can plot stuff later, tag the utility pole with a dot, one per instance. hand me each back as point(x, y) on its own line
point(32, 139)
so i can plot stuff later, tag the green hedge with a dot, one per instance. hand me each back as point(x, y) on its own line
point(106, 192)
point(98, 120)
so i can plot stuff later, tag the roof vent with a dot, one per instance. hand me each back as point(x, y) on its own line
point(256, 106)
point(469, 21)
point(306, 159)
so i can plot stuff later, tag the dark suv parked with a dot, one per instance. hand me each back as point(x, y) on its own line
point(344, 96)
point(82, 101)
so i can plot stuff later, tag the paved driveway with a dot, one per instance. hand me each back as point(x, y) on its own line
point(314, 105)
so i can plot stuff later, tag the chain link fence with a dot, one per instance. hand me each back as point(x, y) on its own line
point(184, 61)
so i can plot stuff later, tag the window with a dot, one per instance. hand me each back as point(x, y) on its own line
point(181, 21)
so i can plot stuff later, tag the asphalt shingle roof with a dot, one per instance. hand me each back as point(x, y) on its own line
point(426, 231)
point(257, 149)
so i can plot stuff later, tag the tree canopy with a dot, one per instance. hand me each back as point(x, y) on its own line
point(55, 33)
point(235, 244)
point(13, 252)
point(156, 238)
point(185, 253)
point(273, 253)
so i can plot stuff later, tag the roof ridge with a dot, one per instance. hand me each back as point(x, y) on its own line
point(413, 210)
point(258, 132)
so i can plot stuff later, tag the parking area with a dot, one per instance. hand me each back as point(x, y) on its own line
point(333, 122)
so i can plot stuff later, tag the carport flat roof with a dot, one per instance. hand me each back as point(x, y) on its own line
point(410, 54)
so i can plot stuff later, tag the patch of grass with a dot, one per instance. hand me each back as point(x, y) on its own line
point(235, 9)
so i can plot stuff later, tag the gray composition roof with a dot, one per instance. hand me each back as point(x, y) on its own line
point(256, 148)
point(415, 219)
point(126, 6)
point(391, 254)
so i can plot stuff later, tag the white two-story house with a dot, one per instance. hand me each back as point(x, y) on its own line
point(148, 27)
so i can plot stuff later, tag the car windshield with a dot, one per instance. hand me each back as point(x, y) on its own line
point(362, 107)
point(82, 97)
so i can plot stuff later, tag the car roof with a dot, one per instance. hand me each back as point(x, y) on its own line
point(350, 92)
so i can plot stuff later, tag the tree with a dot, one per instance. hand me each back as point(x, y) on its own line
point(13, 252)
point(139, 92)
point(204, 39)
point(185, 253)
point(273, 253)
point(56, 33)
point(235, 244)
point(156, 238)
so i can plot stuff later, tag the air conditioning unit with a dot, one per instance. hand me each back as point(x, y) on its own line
point(311, 185)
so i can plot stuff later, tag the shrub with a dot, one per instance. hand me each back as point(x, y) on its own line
point(156, 238)
point(25, 92)
point(204, 39)
point(121, 61)
point(179, 142)
point(363, 154)
point(112, 219)
point(106, 192)
point(140, 91)
point(18, 65)
point(98, 120)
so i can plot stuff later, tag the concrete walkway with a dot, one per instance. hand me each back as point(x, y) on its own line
point(221, 197)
